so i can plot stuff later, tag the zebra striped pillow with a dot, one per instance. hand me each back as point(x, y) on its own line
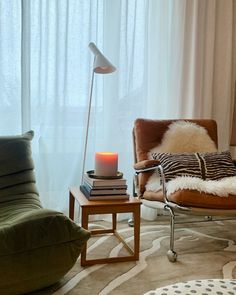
point(208, 166)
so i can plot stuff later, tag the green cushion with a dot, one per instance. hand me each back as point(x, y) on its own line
point(37, 246)
point(16, 166)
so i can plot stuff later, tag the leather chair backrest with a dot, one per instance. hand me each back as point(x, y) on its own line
point(148, 133)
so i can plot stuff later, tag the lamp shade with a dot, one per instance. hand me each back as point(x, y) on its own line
point(101, 64)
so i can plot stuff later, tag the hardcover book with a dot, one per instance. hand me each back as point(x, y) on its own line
point(104, 190)
point(96, 182)
point(103, 197)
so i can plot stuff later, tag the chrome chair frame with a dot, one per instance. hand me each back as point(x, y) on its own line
point(173, 208)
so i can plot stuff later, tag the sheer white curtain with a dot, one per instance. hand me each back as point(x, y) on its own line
point(46, 70)
point(61, 67)
point(173, 61)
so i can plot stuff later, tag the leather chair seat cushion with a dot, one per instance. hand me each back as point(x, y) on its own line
point(193, 198)
point(37, 246)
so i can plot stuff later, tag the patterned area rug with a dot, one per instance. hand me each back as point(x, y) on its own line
point(203, 287)
point(205, 251)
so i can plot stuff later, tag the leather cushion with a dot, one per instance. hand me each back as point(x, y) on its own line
point(208, 166)
point(193, 198)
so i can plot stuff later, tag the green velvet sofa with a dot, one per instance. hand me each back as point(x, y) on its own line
point(37, 246)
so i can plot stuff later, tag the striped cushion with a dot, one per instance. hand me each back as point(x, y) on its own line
point(208, 166)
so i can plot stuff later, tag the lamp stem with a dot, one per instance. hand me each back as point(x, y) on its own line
point(87, 127)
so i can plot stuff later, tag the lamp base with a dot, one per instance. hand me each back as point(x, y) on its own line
point(92, 175)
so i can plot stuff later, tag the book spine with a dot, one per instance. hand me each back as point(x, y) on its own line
point(104, 182)
point(102, 197)
point(108, 199)
point(124, 187)
point(107, 191)
point(84, 191)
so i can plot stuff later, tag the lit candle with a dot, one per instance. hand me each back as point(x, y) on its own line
point(106, 164)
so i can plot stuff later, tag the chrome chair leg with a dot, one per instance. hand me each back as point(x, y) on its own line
point(171, 254)
point(209, 218)
point(131, 222)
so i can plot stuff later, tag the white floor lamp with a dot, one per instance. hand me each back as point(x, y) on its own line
point(101, 65)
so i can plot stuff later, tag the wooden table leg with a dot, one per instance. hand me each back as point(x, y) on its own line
point(71, 206)
point(84, 224)
point(88, 208)
point(114, 221)
point(136, 215)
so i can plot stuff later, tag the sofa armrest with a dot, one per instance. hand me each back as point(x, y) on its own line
point(146, 164)
point(143, 170)
point(149, 166)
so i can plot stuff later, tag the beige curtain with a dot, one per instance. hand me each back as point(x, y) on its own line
point(233, 129)
point(224, 69)
point(233, 132)
point(192, 74)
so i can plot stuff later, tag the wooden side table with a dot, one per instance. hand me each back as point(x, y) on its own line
point(107, 207)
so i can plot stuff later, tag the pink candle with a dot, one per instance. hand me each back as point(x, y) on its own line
point(106, 164)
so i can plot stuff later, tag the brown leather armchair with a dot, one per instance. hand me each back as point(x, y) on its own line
point(146, 135)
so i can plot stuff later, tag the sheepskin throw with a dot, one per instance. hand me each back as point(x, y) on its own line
point(185, 136)
point(221, 188)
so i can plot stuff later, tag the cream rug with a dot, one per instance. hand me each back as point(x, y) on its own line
point(203, 287)
point(205, 251)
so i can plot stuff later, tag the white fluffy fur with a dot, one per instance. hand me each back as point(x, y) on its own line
point(153, 183)
point(184, 136)
point(222, 187)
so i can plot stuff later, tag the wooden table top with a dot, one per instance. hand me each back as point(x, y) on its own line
point(83, 201)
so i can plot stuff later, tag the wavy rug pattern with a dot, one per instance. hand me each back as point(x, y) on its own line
point(205, 251)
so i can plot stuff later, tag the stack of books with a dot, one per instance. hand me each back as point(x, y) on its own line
point(104, 189)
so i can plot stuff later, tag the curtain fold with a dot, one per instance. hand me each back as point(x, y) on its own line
point(25, 66)
point(10, 66)
point(190, 73)
point(175, 59)
point(233, 126)
point(233, 129)
point(233, 135)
